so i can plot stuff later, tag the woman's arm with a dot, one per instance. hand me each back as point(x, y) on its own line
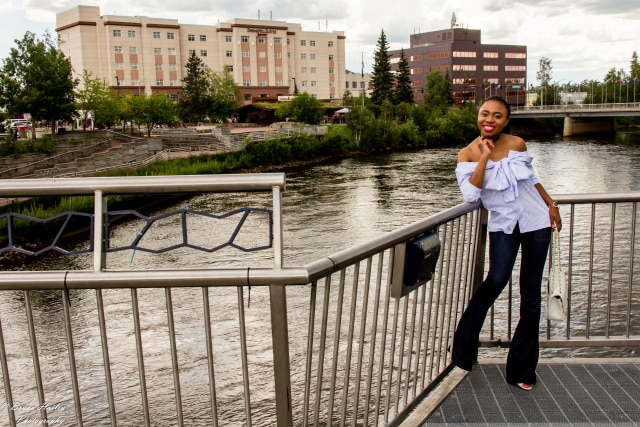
point(554, 211)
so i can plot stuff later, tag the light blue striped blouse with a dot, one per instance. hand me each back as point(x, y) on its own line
point(508, 193)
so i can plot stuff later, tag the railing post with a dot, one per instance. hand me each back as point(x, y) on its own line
point(279, 327)
point(99, 211)
point(480, 252)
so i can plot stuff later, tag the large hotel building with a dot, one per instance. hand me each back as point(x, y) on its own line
point(476, 70)
point(141, 54)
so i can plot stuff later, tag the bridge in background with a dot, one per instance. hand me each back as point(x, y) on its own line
point(581, 118)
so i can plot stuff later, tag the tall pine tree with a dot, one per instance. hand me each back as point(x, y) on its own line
point(195, 100)
point(382, 78)
point(403, 91)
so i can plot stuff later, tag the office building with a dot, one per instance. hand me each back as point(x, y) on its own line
point(476, 70)
point(137, 54)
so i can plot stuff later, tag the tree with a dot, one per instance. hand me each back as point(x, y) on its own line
point(382, 78)
point(634, 72)
point(404, 90)
point(224, 95)
point(93, 95)
point(437, 94)
point(195, 99)
point(543, 75)
point(303, 108)
point(151, 111)
point(37, 79)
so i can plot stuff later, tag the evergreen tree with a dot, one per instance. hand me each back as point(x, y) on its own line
point(403, 91)
point(635, 67)
point(382, 78)
point(36, 79)
point(195, 100)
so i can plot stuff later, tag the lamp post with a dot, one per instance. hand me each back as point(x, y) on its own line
point(118, 86)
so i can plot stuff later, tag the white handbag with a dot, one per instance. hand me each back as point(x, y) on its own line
point(557, 285)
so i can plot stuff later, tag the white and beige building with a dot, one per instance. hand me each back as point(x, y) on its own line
point(136, 54)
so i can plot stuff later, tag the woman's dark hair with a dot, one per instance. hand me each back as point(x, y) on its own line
point(502, 101)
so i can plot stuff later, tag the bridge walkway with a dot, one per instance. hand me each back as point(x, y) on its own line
point(569, 392)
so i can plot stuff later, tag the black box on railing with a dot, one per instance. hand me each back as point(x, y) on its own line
point(414, 263)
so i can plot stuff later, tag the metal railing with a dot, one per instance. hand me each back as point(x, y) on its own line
point(321, 344)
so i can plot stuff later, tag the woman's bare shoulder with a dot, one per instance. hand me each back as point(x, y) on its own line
point(469, 153)
point(516, 143)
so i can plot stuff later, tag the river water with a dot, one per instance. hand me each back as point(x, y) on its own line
point(326, 208)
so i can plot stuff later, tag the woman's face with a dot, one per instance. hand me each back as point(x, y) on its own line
point(492, 118)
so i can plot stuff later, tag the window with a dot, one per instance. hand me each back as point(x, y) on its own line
point(490, 81)
point(331, 57)
point(227, 39)
point(303, 56)
point(157, 50)
point(246, 82)
point(332, 84)
point(192, 52)
point(247, 97)
point(462, 67)
point(171, 51)
point(133, 49)
point(159, 67)
point(244, 39)
point(278, 69)
point(173, 67)
point(134, 65)
point(278, 82)
point(515, 68)
point(331, 70)
point(203, 52)
point(330, 43)
point(170, 36)
point(354, 85)
point(117, 33)
point(312, 42)
point(156, 34)
point(415, 58)
point(246, 69)
point(174, 98)
point(160, 82)
point(203, 38)
point(135, 82)
point(314, 83)
point(303, 70)
point(228, 68)
point(228, 53)
point(262, 54)
point(245, 53)
point(312, 56)
point(262, 39)
point(459, 54)
point(263, 83)
point(277, 40)
point(313, 70)
point(303, 42)
point(173, 83)
point(117, 49)
point(191, 37)
point(513, 55)
point(131, 33)
point(490, 68)
point(277, 54)
point(119, 66)
point(490, 55)
point(303, 83)
point(262, 68)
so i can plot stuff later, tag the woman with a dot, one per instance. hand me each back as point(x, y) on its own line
point(496, 169)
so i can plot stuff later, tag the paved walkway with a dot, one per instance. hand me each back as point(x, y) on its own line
point(569, 392)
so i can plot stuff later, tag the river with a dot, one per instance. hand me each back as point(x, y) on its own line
point(326, 208)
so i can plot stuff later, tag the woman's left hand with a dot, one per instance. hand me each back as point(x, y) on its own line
point(554, 216)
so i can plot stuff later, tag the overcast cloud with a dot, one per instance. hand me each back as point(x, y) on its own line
point(583, 38)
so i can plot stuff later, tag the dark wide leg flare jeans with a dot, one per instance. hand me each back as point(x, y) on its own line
point(523, 351)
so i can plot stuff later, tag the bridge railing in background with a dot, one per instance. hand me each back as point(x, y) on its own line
point(322, 344)
point(620, 106)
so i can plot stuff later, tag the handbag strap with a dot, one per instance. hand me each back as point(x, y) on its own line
point(556, 248)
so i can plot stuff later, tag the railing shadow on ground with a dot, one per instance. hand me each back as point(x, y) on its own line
point(322, 344)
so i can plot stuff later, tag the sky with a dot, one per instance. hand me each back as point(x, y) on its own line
point(584, 39)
